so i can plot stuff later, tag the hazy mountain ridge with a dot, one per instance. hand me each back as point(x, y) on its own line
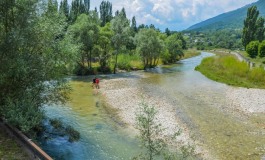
point(230, 20)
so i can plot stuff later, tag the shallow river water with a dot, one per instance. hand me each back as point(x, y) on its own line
point(200, 103)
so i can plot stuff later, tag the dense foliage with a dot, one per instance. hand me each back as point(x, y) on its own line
point(253, 33)
point(35, 55)
point(252, 49)
point(226, 38)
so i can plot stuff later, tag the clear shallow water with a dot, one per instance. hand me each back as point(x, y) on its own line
point(101, 139)
point(200, 103)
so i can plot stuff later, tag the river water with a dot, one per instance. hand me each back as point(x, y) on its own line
point(200, 103)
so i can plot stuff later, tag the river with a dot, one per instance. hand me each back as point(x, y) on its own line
point(200, 103)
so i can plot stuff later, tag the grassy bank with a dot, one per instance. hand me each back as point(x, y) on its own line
point(190, 53)
point(229, 70)
point(9, 149)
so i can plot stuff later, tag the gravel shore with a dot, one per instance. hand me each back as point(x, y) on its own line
point(121, 95)
point(247, 100)
point(124, 95)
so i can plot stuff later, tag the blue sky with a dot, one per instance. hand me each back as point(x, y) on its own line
point(173, 14)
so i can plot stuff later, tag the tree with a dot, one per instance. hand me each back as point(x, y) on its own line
point(174, 47)
point(105, 9)
point(104, 45)
point(34, 57)
point(123, 12)
point(260, 29)
point(78, 7)
point(250, 27)
point(86, 31)
point(253, 49)
point(87, 5)
point(167, 31)
point(133, 26)
point(149, 131)
point(262, 49)
point(149, 45)
point(64, 8)
point(121, 28)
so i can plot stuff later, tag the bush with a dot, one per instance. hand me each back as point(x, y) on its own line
point(253, 49)
point(23, 114)
point(262, 49)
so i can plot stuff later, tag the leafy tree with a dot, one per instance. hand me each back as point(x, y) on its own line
point(123, 12)
point(87, 5)
point(35, 55)
point(174, 47)
point(104, 45)
point(105, 12)
point(78, 7)
point(260, 29)
point(133, 26)
point(121, 29)
point(149, 132)
point(250, 26)
point(86, 31)
point(253, 49)
point(262, 49)
point(64, 8)
point(141, 26)
point(149, 45)
point(167, 31)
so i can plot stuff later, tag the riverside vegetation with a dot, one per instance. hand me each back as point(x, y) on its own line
point(229, 70)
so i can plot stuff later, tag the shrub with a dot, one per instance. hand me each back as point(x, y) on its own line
point(253, 49)
point(262, 49)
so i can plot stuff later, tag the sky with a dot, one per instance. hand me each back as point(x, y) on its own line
point(176, 15)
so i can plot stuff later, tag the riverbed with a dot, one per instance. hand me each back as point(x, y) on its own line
point(221, 121)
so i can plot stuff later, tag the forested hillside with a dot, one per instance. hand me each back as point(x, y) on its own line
point(230, 20)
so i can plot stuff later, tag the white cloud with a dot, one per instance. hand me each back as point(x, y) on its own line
point(174, 14)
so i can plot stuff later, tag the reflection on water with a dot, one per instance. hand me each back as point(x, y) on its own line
point(199, 102)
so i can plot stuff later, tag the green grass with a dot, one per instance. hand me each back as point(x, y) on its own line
point(9, 149)
point(190, 53)
point(229, 70)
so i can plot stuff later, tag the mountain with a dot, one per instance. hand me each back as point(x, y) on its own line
point(230, 20)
